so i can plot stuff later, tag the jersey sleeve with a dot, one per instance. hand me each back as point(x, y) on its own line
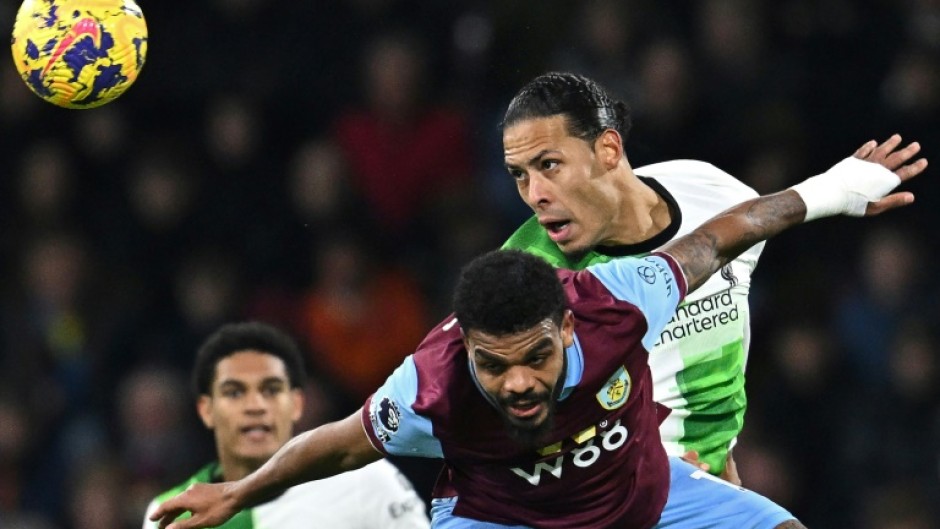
point(390, 421)
point(654, 284)
point(390, 499)
point(150, 508)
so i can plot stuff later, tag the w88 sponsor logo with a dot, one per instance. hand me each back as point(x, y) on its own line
point(591, 445)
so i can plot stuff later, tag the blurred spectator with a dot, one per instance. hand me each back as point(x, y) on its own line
point(98, 497)
point(405, 148)
point(665, 105)
point(879, 448)
point(17, 451)
point(798, 407)
point(46, 186)
point(765, 470)
point(158, 434)
point(360, 317)
point(898, 506)
point(600, 46)
point(870, 314)
point(316, 199)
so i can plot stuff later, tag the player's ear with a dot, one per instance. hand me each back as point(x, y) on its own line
point(298, 398)
point(608, 148)
point(204, 408)
point(567, 328)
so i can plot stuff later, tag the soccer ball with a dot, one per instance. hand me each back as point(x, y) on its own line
point(79, 53)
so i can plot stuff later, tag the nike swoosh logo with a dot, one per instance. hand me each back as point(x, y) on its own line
point(85, 26)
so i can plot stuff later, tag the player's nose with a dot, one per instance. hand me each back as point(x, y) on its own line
point(539, 190)
point(255, 402)
point(519, 380)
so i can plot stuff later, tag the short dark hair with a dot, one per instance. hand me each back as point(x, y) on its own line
point(587, 107)
point(234, 337)
point(507, 291)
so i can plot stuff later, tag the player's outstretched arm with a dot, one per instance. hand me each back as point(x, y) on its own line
point(319, 453)
point(858, 186)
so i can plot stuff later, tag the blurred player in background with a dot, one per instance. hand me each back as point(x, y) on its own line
point(249, 379)
point(537, 394)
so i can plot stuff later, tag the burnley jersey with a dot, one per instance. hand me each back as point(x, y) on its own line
point(602, 466)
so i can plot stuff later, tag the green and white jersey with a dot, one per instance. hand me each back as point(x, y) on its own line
point(698, 362)
point(374, 497)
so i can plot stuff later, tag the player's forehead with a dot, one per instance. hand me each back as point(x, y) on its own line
point(526, 137)
point(249, 366)
point(508, 347)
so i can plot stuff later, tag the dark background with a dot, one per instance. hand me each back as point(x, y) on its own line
point(327, 166)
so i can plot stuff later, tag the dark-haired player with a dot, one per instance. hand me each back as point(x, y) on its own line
point(537, 395)
point(248, 378)
point(564, 140)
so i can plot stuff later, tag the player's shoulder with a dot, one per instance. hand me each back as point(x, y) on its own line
point(383, 470)
point(695, 176)
point(205, 474)
point(528, 232)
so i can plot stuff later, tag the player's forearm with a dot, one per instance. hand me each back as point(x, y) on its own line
point(718, 241)
point(856, 186)
point(331, 449)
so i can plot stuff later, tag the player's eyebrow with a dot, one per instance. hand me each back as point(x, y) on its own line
point(268, 381)
point(534, 160)
point(231, 383)
point(541, 345)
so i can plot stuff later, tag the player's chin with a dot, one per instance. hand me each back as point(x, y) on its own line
point(530, 431)
point(574, 249)
point(258, 453)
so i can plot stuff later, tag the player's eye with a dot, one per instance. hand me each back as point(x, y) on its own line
point(492, 368)
point(517, 174)
point(271, 391)
point(233, 393)
point(537, 360)
point(548, 165)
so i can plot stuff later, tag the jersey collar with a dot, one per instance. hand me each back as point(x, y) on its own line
point(575, 368)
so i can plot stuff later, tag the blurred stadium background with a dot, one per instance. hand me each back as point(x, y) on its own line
point(328, 165)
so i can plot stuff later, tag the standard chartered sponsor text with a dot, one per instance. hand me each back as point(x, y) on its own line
point(700, 316)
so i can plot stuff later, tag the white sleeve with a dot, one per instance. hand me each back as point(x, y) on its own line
point(150, 508)
point(390, 499)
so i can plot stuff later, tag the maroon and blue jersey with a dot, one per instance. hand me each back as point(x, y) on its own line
point(604, 465)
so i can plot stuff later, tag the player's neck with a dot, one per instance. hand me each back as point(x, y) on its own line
point(235, 470)
point(643, 213)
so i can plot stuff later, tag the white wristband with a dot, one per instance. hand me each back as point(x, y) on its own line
point(845, 189)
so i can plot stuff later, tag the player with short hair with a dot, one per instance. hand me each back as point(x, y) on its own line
point(564, 139)
point(537, 395)
point(248, 378)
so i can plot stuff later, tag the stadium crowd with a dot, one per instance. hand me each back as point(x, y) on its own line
point(329, 169)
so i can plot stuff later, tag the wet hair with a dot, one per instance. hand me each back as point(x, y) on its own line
point(588, 108)
point(506, 292)
point(235, 337)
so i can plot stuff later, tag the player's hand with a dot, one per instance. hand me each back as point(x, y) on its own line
point(210, 504)
point(691, 457)
point(896, 160)
point(730, 474)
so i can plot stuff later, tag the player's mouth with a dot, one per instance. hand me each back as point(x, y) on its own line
point(558, 230)
point(257, 432)
point(525, 410)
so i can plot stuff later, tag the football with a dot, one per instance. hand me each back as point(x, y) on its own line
point(79, 53)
